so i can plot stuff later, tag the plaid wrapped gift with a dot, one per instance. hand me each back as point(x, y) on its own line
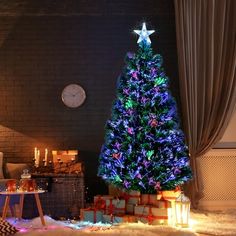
point(91, 214)
point(152, 215)
point(149, 199)
point(115, 219)
point(115, 206)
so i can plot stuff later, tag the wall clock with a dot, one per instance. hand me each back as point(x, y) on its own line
point(73, 95)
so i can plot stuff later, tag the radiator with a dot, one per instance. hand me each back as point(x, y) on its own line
point(217, 179)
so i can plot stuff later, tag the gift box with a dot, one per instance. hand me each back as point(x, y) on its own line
point(152, 215)
point(115, 206)
point(164, 204)
point(103, 197)
point(91, 214)
point(100, 201)
point(131, 197)
point(115, 219)
point(149, 199)
point(130, 208)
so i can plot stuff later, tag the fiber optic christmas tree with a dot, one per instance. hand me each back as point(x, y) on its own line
point(144, 146)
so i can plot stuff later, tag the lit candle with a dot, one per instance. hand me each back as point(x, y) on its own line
point(46, 157)
point(35, 153)
point(37, 158)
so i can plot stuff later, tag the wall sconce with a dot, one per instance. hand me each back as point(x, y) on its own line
point(182, 211)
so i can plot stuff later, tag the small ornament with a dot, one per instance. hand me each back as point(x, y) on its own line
point(159, 81)
point(116, 155)
point(144, 34)
point(154, 123)
point(130, 55)
point(135, 74)
point(126, 91)
point(130, 130)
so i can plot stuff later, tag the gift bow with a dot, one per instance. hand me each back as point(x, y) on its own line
point(100, 204)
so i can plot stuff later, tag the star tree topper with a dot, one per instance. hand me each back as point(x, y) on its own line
point(144, 34)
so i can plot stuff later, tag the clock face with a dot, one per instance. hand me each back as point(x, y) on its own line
point(73, 95)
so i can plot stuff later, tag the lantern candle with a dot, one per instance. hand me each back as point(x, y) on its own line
point(182, 211)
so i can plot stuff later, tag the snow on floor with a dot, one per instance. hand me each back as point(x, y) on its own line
point(205, 223)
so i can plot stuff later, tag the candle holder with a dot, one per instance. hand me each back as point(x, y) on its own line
point(182, 211)
point(11, 185)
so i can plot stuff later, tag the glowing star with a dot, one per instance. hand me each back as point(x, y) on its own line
point(144, 34)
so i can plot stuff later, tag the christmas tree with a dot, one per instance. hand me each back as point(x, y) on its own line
point(144, 146)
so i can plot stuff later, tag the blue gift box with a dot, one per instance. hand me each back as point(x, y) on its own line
point(91, 214)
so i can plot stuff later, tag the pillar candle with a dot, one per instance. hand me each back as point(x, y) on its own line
point(35, 153)
point(37, 158)
point(46, 157)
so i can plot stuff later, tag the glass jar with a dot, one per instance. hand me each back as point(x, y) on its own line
point(26, 183)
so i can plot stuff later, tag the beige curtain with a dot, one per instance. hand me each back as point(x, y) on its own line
point(206, 43)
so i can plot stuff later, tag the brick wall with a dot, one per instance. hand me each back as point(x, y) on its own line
point(46, 45)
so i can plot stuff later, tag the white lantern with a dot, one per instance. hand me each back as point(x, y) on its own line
point(182, 211)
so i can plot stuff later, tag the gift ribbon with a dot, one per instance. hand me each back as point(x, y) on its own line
point(111, 218)
point(150, 217)
point(164, 203)
point(100, 204)
point(111, 209)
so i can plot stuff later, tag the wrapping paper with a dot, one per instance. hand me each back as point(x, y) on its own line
point(149, 199)
point(100, 201)
point(115, 206)
point(91, 214)
point(152, 215)
point(131, 197)
point(164, 204)
point(130, 208)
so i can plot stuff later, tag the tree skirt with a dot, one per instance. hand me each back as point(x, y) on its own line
point(209, 223)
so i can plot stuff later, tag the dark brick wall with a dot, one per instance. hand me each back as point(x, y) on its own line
point(46, 45)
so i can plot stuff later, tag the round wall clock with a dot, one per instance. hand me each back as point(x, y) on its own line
point(73, 95)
